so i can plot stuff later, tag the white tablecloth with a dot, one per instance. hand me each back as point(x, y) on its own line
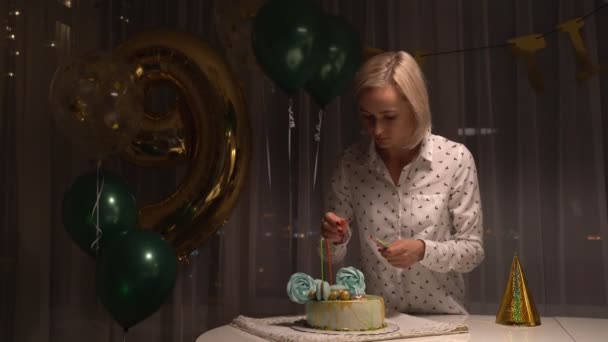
point(481, 329)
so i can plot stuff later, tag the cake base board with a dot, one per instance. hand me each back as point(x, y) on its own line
point(301, 325)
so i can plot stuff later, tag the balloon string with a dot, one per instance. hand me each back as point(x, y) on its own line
point(318, 127)
point(267, 139)
point(318, 140)
point(292, 124)
point(124, 336)
point(268, 161)
point(95, 211)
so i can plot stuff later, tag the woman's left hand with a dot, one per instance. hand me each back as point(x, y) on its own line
point(404, 253)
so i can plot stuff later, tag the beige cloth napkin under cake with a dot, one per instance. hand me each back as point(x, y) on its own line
point(281, 329)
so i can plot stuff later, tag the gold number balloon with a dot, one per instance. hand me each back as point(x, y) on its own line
point(207, 126)
point(96, 104)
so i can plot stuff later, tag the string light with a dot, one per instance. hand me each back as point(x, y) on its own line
point(11, 28)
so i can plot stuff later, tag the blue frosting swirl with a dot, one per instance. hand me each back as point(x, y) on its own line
point(299, 287)
point(353, 279)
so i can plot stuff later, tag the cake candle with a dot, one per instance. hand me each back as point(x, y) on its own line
point(328, 261)
point(321, 252)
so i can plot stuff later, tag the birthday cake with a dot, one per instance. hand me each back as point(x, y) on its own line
point(343, 306)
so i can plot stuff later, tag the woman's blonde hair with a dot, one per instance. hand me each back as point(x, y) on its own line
point(400, 70)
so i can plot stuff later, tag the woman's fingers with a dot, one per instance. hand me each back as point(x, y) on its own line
point(399, 255)
point(332, 237)
point(395, 258)
point(397, 248)
point(335, 223)
point(331, 228)
point(332, 233)
point(335, 220)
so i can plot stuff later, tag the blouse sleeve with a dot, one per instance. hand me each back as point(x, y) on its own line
point(464, 251)
point(339, 201)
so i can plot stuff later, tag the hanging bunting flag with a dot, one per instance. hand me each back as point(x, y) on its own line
point(420, 57)
point(527, 46)
point(572, 27)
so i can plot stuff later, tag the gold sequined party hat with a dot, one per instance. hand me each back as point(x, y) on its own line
point(517, 306)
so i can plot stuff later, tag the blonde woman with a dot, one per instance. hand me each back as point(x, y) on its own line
point(406, 186)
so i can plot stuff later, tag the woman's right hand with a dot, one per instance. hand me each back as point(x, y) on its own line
point(334, 228)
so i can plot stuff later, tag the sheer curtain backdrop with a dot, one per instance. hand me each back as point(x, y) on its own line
point(541, 159)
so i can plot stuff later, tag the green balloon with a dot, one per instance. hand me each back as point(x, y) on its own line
point(284, 34)
point(117, 208)
point(136, 272)
point(340, 46)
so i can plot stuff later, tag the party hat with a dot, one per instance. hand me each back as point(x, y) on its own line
point(517, 306)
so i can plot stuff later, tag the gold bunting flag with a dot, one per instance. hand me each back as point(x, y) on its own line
point(517, 306)
point(527, 46)
point(420, 57)
point(572, 27)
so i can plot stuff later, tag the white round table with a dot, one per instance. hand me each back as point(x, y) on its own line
point(481, 329)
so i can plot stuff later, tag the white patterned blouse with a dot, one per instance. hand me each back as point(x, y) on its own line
point(436, 200)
